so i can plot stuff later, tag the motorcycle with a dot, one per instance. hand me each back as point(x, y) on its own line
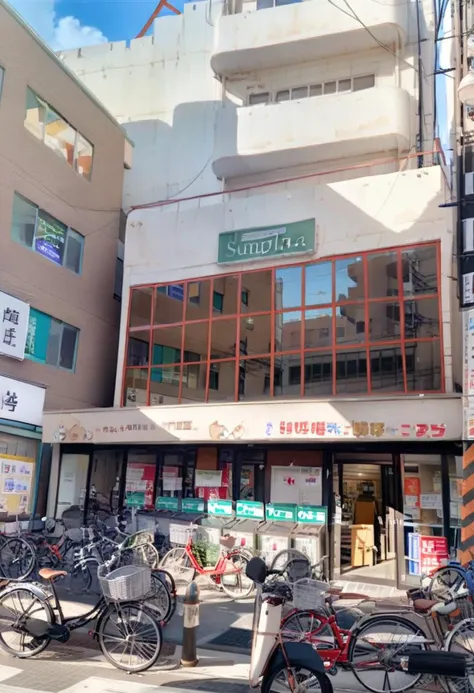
point(275, 664)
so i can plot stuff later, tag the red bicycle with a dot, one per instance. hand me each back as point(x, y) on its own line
point(228, 572)
point(369, 646)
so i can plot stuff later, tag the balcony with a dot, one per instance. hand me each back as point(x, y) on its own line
point(261, 138)
point(253, 39)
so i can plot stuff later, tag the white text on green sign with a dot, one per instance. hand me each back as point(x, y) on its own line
point(268, 241)
point(281, 513)
point(219, 507)
point(311, 515)
point(167, 503)
point(192, 505)
point(250, 509)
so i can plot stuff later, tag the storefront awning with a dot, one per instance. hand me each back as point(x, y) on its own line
point(438, 417)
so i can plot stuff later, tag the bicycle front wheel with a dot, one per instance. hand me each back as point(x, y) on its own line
point(178, 564)
point(447, 580)
point(461, 639)
point(130, 637)
point(17, 559)
point(234, 581)
point(283, 678)
point(376, 650)
point(160, 599)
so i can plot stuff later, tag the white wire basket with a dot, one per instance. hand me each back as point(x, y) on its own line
point(179, 534)
point(309, 594)
point(127, 584)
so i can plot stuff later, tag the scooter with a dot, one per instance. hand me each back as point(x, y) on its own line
point(273, 663)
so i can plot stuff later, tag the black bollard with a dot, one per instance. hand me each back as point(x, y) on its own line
point(190, 625)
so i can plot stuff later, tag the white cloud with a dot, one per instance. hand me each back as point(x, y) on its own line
point(60, 33)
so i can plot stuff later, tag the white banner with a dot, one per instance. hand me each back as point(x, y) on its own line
point(21, 401)
point(369, 420)
point(14, 318)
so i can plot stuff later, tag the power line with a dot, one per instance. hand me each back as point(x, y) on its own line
point(352, 14)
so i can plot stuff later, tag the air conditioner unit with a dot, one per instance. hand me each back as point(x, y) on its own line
point(469, 183)
point(468, 235)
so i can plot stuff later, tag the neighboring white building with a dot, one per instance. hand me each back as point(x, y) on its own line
point(286, 197)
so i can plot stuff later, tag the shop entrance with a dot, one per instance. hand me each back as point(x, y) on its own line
point(365, 517)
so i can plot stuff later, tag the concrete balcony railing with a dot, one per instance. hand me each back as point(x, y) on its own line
point(261, 138)
point(256, 35)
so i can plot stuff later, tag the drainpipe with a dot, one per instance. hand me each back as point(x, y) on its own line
point(420, 86)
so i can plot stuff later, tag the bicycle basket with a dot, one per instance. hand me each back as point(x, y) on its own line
point(138, 539)
point(298, 569)
point(309, 594)
point(179, 534)
point(129, 583)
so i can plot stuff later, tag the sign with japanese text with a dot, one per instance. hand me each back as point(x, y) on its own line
point(311, 515)
point(250, 510)
point(136, 499)
point(279, 512)
point(167, 503)
point(14, 316)
point(192, 505)
point(220, 508)
point(404, 418)
point(426, 553)
point(268, 241)
point(21, 401)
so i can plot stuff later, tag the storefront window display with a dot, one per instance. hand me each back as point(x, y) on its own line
point(358, 324)
point(17, 473)
point(423, 514)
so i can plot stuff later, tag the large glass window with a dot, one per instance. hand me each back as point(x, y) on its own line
point(38, 230)
point(357, 324)
point(47, 125)
point(51, 341)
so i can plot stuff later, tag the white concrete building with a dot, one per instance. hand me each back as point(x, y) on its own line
point(287, 197)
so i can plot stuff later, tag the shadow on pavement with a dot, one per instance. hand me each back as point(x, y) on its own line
point(214, 685)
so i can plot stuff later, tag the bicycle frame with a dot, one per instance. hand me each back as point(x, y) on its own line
point(220, 567)
point(342, 637)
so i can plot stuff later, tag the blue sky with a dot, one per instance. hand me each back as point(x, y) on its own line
point(65, 24)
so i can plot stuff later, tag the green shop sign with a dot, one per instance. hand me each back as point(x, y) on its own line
point(135, 499)
point(222, 508)
point(311, 515)
point(267, 241)
point(192, 505)
point(167, 503)
point(250, 509)
point(280, 512)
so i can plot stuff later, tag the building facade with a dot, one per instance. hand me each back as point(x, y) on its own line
point(289, 328)
point(61, 172)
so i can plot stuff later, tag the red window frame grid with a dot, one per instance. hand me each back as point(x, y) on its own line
point(334, 349)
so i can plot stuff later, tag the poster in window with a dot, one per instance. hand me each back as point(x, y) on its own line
point(412, 491)
point(141, 478)
point(50, 238)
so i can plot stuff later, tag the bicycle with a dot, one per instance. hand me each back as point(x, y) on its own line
point(89, 559)
point(36, 617)
point(295, 565)
point(228, 572)
point(372, 645)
